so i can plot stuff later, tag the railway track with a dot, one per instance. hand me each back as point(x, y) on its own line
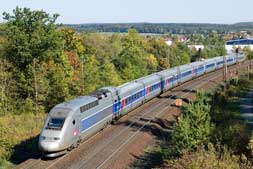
point(99, 150)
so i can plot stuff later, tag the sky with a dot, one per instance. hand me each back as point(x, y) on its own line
point(155, 11)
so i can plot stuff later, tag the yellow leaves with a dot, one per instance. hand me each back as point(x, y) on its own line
point(164, 63)
point(152, 59)
point(72, 40)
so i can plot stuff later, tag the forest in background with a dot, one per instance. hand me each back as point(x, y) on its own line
point(162, 28)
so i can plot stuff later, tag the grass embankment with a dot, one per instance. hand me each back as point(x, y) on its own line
point(18, 137)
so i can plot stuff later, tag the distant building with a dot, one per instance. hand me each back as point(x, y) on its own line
point(238, 43)
point(182, 38)
point(196, 47)
point(168, 41)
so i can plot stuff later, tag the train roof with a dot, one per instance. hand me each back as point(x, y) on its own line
point(77, 102)
point(196, 63)
point(169, 71)
point(127, 87)
point(149, 77)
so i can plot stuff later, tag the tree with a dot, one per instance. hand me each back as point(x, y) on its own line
point(33, 40)
point(109, 75)
point(7, 81)
point(32, 34)
point(72, 41)
point(132, 61)
point(179, 54)
point(193, 127)
point(159, 49)
point(91, 74)
point(152, 63)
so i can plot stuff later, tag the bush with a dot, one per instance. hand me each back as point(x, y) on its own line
point(209, 158)
point(193, 127)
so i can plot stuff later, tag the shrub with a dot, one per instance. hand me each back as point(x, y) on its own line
point(193, 127)
point(209, 158)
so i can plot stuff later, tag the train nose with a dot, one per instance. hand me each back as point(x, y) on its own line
point(47, 144)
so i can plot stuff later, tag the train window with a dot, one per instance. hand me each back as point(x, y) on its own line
point(89, 106)
point(73, 122)
point(128, 100)
point(82, 109)
point(55, 123)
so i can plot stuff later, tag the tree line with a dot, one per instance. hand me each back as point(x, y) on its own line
point(161, 28)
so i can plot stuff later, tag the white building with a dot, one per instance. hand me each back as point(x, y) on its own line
point(168, 42)
point(196, 47)
point(238, 43)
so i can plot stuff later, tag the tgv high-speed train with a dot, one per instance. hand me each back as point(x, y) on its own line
point(71, 122)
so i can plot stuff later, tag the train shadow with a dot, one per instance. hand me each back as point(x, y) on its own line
point(161, 128)
point(150, 159)
point(27, 149)
point(186, 90)
point(175, 96)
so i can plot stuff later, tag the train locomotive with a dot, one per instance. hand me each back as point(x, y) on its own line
point(69, 123)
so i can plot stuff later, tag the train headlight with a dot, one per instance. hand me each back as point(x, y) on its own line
point(43, 138)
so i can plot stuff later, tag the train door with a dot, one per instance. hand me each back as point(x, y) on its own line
point(178, 76)
point(163, 83)
point(116, 107)
point(175, 80)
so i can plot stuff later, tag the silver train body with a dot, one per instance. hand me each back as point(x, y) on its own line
point(71, 122)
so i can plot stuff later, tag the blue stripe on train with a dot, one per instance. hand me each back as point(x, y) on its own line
point(87, 123)
point(210, 65)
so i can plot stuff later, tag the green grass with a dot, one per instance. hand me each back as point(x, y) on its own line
point(18, 136)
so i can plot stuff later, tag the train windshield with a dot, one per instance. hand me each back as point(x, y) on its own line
point(55, 123)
